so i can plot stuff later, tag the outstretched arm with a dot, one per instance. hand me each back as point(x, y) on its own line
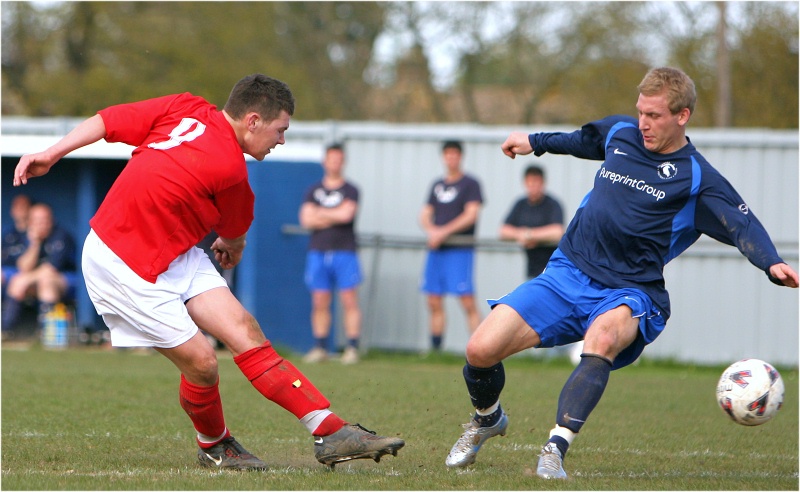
point(517, 144)
point(38, 164)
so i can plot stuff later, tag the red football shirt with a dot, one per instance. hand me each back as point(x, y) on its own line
point(186, 177)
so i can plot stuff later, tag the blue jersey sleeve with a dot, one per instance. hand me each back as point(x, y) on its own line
point(586, 143)
point(723, 215)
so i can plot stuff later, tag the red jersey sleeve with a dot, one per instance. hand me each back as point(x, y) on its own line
point(132, 123)
point(236, 205)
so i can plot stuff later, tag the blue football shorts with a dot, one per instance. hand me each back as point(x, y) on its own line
point(328, 270)
point(561, 304)
point(449, 271)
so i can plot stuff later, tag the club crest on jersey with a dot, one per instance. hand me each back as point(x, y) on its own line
point(667, 170)
point(328, 200)
point(743, 208)
point(445, 194)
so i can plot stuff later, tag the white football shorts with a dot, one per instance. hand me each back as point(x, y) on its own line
point(141, 314)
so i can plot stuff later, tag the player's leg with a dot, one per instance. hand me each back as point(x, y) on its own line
point(50, 284)
point(219, 313)
point(501, 334)
point(318, 281)
point(320, 325)
point(348, 278)
point(352, 324)
point(200, 399)
point(537, 313)
point(470, 311)
point(459, 281)
point(434, 289)
point(17, 289)
point(437, 320)
point(608, 334)
point(144, 314)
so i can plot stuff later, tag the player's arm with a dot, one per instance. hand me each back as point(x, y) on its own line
point(516, 144)
point(38, 164)
point(529, 237)
point(432, 231)
point(313, 216)
point(236, 207)
point(460, 223)
point(28, 260)
point(586, 143)
point(426, 218)
point(722, 215)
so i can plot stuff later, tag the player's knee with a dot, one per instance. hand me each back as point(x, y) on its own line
point(205, 370)
point(480, 354)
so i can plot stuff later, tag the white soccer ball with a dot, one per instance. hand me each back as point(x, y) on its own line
point(750, 391)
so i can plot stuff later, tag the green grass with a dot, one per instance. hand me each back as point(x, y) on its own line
point(90, 420)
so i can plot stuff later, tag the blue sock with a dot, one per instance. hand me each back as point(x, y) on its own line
point(488, 420)
point(582, 391)
point(436, 341)
point(561, 444)
point(484, 385)
point(322, 342)
point(352, 342)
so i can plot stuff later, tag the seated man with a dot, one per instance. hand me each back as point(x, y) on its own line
point(45, 269)
point(15, 236)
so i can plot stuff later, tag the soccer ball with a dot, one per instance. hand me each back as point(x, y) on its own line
point(750, 391)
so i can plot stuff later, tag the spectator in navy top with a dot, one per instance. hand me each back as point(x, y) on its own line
point(449, 218)
point(46, 268)
point(15, 236)
point(535, 222)
point(653, 196)
point(329, 211)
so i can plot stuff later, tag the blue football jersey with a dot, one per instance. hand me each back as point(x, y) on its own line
point(646, 208)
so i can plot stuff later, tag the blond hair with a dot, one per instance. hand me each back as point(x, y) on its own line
point(679, 87)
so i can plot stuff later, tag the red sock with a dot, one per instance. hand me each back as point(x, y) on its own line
point(203, 405)
point(331, 424)
point(279, 381)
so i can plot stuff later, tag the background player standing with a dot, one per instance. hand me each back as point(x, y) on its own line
point(154, 288)
point(535, 222)
point(653, 196)
point(329, 211)
point(453, 206)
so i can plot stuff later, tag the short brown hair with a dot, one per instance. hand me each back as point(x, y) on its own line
point(680, 88)
point(261, 94)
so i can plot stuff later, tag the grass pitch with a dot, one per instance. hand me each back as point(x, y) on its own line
point(89, 420)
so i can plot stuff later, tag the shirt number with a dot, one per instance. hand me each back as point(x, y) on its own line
point(181, 133)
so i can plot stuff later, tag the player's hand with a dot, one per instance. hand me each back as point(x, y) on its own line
point(516, 144)
point(31, 166)
point(436, 237)
point(785, 274)
point(228, 252)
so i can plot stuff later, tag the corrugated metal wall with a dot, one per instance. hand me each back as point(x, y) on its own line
point(723, 308)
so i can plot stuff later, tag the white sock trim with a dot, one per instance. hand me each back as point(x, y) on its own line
point(564, 433)
point(488, 411)
point(210, 440)
point(313, 419)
